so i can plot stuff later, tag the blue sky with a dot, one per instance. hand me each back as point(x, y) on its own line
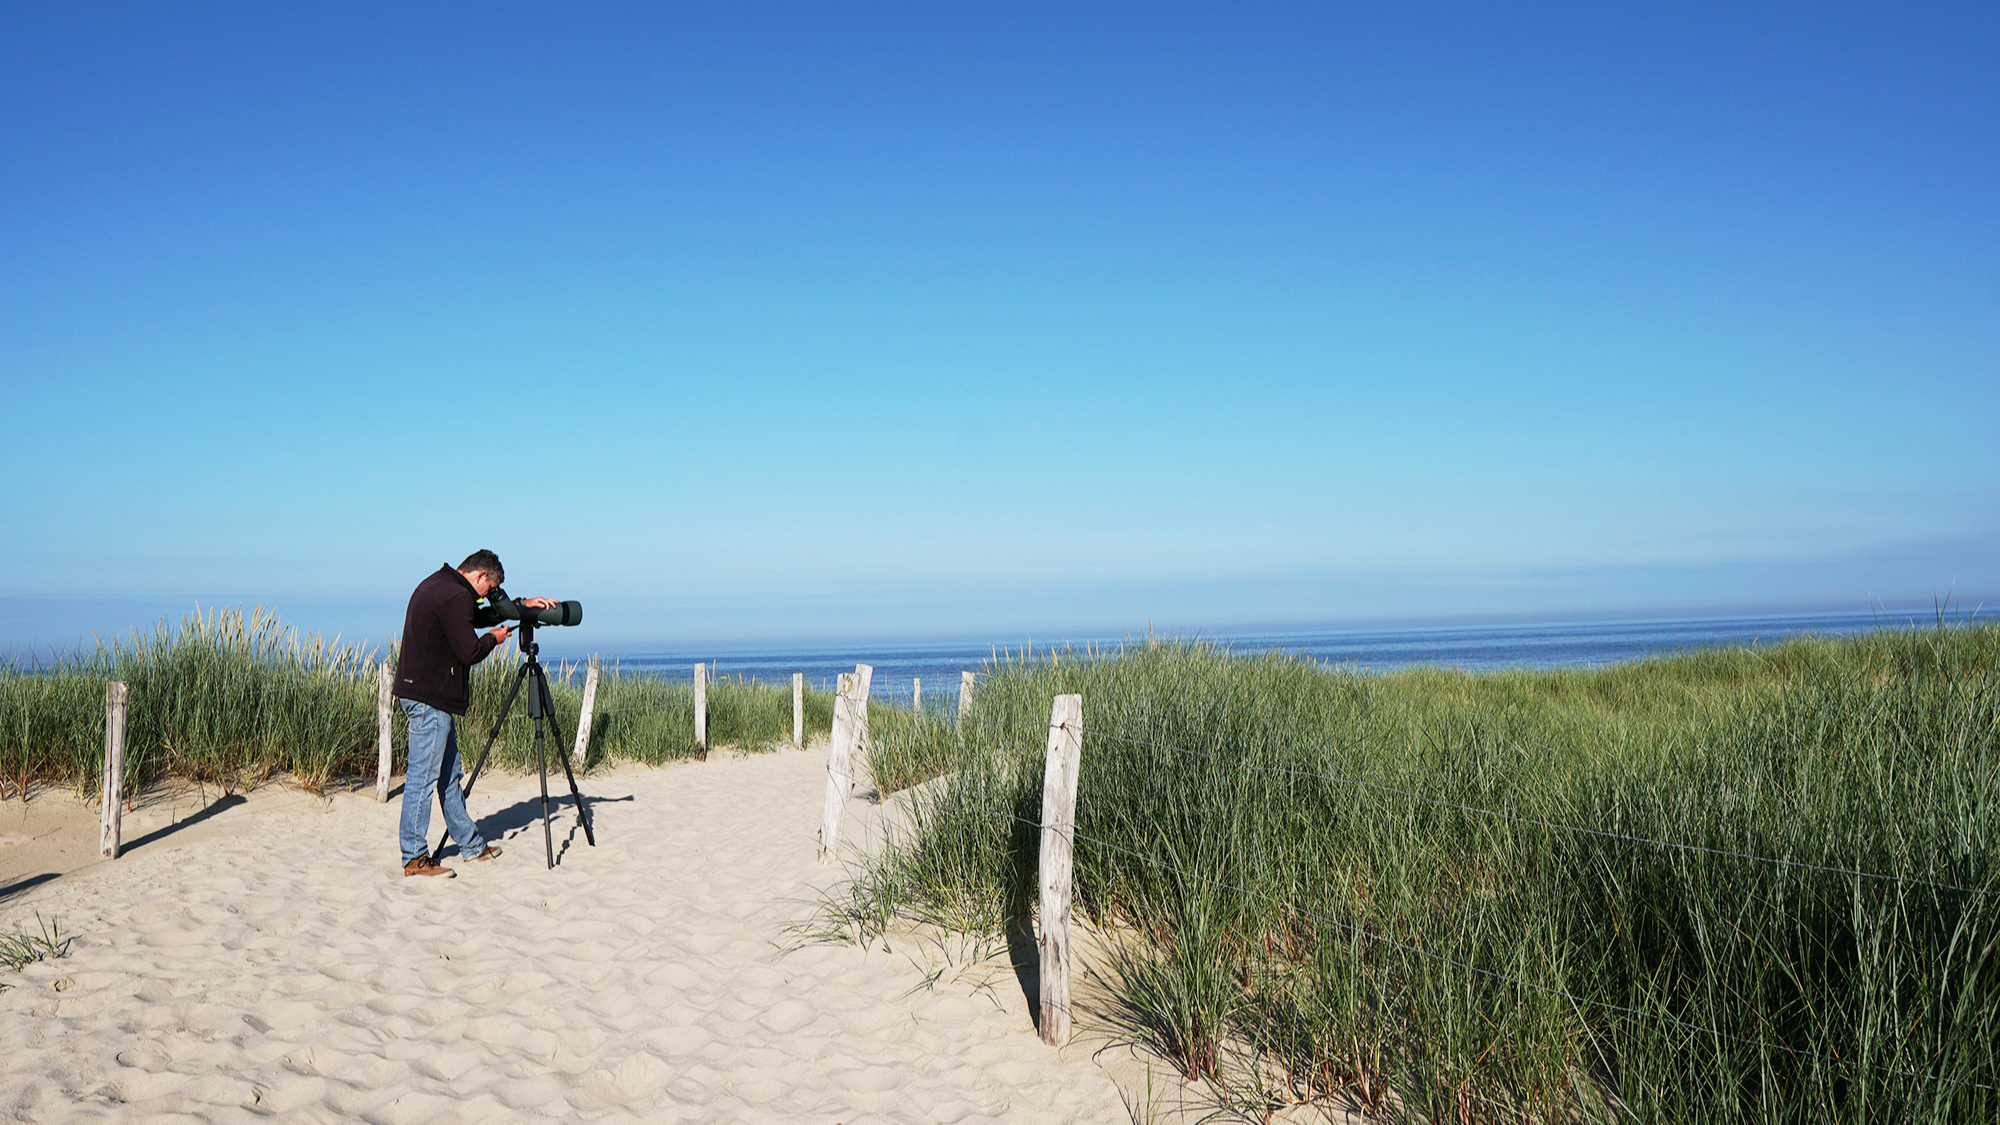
point(795, 321)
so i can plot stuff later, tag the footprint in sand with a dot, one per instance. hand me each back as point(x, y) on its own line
point(787, 1016)
point(287, 1094)
point(450, 1064)
point(145, 1056)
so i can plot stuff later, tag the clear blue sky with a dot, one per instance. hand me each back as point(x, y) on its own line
point(794, 321)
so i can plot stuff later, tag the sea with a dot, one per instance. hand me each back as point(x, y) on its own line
point(903, 669)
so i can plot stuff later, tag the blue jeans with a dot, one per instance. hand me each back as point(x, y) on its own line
point(434, 769)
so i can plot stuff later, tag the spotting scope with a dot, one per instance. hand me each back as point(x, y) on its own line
point(498, 607)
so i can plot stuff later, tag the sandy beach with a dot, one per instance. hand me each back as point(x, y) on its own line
point(268, 959)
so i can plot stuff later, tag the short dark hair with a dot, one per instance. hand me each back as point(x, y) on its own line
point(484, 560)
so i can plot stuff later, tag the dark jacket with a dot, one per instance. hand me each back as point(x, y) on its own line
point(440, 646)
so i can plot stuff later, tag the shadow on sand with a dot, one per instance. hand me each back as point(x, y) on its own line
point(1025, 955)
point(215, 808)
point(527, 813)
point(28, 882)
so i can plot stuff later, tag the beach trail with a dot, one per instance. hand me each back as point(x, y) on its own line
point(285, 968)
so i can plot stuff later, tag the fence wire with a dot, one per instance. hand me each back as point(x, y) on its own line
point(323, 728)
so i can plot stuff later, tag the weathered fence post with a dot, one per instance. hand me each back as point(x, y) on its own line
point(799, 710)
point(916, 693)
point(109, 839)
point(701, 708)
point(385, 729)
point(864, 674)
point(839, 766)
point(1058, 846)
point(583, 719)
point(964, 697)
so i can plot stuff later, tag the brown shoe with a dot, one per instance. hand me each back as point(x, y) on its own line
point(491, 851)
point(425, 865)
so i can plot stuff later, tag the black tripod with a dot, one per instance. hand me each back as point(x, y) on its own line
point(540, 707)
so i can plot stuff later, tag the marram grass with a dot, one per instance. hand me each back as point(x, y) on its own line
point(229, 699)
point(1320, 881)
point(20, 948)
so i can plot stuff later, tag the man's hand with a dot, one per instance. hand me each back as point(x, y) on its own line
point(537, 603)
point(500, 635)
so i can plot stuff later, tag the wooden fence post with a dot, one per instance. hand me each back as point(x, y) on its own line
point(916, 693)
point(839, 766)
point(864, 674)
point(964, 697)
point(589, 705)
point(385, 729)
point(701, 708)
point(1058, 846)
point(109, 838)
point(799, 710)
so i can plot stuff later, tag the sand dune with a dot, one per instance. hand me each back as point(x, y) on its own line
point(285, 968)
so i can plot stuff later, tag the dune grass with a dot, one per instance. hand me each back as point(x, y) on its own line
point(1731, 885)
point(639, 718)
point(20, 949)
point(228, 699)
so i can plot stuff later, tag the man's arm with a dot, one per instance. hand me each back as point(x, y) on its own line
point(468, 647)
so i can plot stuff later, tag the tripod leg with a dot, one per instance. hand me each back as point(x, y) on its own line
point(542, 763)
point(492, 736)
point(582, 811)
point(549, 712)
point(538, 706)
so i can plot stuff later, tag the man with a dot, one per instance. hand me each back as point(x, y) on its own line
point(433, 684)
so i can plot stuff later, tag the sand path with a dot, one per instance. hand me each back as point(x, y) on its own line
point(286, 968)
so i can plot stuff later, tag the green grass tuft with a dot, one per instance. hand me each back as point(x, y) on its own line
point(18, 950)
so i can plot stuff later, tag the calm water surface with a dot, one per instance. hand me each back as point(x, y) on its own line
point(1474, 648)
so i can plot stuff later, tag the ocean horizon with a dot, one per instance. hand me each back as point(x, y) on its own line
point(938, 662)
point(899, 665)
